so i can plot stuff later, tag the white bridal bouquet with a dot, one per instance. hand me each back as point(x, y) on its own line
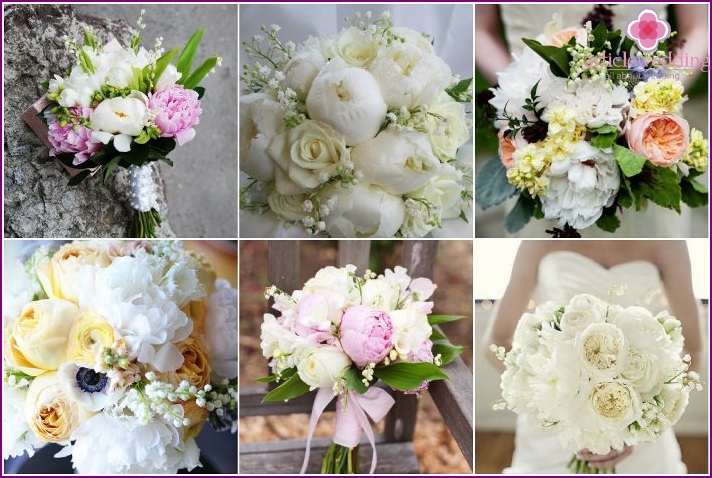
point(589, 126)
point(599, 376)
point(120, 352)
point(125, 106)
point(354, 135)
point(342, 333)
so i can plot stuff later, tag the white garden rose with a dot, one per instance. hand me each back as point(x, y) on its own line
point(641, 372)
point(349, 99)
point(356, 47)
point(675, 400)
point(449, 129)
point(410, 330)
point(582, 311)
point(443, 194)
point(288, 206)
point(641, 329)
point(602, 350)
point(617, 404)
point(409, 76)
point(50, 413)
point(414, 37)
point(399, 162)
point(335, 284)
point(363, 211)
point(261, 118)
point(322, 367)
point(307, 156)
point(121, 119)
point(300, 71)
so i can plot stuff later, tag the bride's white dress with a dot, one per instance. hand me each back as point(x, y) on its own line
point(561, 275)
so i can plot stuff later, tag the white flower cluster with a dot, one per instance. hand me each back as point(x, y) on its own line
point(345, 133)
point(599, 375)
point(122, 339)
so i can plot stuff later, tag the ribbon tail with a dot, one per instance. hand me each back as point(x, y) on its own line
point(322, 399)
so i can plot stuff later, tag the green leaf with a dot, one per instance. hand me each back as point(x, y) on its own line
point(142, 138)
point(605, 129)
point(659, 184)
point(491, 184)
point(89, 39)
point(138, 155)
point(631, 163)
point(76, 180)
point(163, 62)
point(273, 378)
point(200, 90)
point(353, 379)
point(459, 89)
point(557, 57)
point(693, 193)
point(441, 319)
point(109, 168)
point(609, 221)
point(600, 35)
point(185, 60)
point(292, 388)
point(447, 351)
point(604, 140)
point(197, 76)
point(625, 196)
point(408, 375)
point(436, 335)
point(520, 215)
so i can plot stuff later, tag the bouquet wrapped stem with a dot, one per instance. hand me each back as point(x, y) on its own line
point(340, 460)
point(580, 467)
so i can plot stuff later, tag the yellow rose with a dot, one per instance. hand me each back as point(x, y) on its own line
point(58, 275)
point(49, 413)
point(197, 416)
point(196, 364)
point(90, 334)
point(38, 341)
point(196, 311)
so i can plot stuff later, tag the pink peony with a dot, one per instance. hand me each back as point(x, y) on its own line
point(366, 334)
point(177, 111)
point(314, 319)
point(424, 354)
point(73, 138)
point(662, 139)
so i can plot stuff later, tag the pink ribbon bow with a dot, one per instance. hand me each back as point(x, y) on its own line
point(351, 419)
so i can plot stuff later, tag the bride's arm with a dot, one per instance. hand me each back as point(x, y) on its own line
point(515, 299)
point(491, 53)
point(673, 261)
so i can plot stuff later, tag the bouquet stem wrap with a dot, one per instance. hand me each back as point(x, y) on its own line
point(144, 199)
point(352, 412)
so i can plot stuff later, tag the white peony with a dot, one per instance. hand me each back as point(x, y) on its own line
point(349, 99)
point(304, 66)
point(410, 330)
point(322, 367)
point(414, 37)
point(595, 103)
point(409, 76)
point(17, 438)
point(261, 118)
point(120, 119)
point(221, 330)
point(363, 211)
point(397, 162)
point(580, 186)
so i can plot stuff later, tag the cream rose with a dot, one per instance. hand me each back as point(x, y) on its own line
point(356, 47)
point(618, 404)
point(39, 336)
point(349, 99)
point(120, 119)
point(449, 130)
point(409, 76)
point(89, 336)
point(49, 413)
point(641, 372)
point(195, 368)
point(602, 350)
point(58, 275)
point(582, 311)
point(363, 211)
point(398, 162)
point(662, 139)
point(289, 206)
point(323, 366)
point(261, 118)
point(307, 156)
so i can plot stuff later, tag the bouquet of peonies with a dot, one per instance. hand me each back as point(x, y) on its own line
point(588, 127)
point(340, 334)
point(599, 375)
point(125, 107)
point(120, 352)
point(354, 135)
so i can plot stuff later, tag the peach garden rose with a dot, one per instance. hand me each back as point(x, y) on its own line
point(662, 138)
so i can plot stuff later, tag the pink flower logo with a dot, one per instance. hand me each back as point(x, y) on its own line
point(648, 30)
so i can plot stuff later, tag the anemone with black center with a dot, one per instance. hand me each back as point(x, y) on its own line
point(90, 381)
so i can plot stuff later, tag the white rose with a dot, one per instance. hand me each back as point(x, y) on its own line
point(356, 47)
point(582, 311)
point(323, 367)
point(398, 162)
point(121, 119)
point(349, 99)
point(619, 405)
point(307, 156)
point(363, 211)
point(641, 372)
point(301, 69)
point(673, 328)
point(449, 130)
point(602, 350)
point(443, 193)
point(675, 400)
point(415, 38)
point(169, 77)
point(410, 330)
point(408, 76)
point(336, 284)
point(261, 118)
point(288, 206)
point(641, 329)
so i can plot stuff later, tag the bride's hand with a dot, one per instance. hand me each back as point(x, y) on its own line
point(604, 462)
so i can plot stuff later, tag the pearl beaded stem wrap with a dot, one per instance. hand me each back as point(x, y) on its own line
point(142, 196)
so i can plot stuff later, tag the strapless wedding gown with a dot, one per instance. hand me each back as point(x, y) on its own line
point(561, 275)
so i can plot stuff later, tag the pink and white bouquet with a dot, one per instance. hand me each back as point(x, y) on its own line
point(125, 107)
point(354, 135)
point(588, 127)
point(598, 375)
point(340, 335)
point(120, 352)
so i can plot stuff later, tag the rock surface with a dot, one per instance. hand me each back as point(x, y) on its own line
point(37, 200)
